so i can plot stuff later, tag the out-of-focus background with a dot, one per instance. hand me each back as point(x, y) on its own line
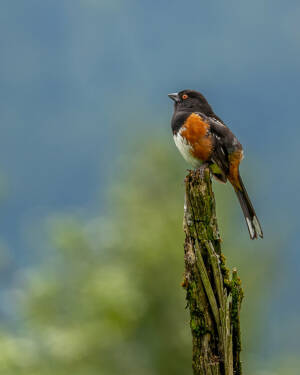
point(91, 184)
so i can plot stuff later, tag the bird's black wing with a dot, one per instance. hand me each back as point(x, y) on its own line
point(224, 144)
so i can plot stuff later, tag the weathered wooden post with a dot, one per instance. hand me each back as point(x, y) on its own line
point(213, 296)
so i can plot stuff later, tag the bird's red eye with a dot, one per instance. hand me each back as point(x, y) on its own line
point(184, 96)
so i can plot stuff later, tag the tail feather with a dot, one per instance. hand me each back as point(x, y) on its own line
point(252, 221)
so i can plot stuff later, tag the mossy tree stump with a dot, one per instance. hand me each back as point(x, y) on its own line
point(213, 297)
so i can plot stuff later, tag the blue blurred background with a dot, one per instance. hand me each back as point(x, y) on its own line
point(86, 141)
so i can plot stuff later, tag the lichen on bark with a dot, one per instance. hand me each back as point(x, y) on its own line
point(213, 297)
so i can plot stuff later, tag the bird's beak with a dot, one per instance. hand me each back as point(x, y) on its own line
point(174, 97)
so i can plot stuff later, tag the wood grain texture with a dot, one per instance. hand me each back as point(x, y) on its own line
point(213, 298)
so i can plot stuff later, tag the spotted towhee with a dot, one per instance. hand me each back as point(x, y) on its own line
point(203, 138)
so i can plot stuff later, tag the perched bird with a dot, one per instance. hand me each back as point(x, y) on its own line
point(204, 139)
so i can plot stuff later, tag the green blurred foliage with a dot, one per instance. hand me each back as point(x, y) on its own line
point(108, 300)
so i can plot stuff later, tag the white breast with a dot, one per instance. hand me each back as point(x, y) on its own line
point(185, 149)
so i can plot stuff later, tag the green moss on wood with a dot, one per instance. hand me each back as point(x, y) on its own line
point(213, 297)
point(237, 297)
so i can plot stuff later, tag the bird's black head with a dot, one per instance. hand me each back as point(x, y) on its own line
point(192, 101)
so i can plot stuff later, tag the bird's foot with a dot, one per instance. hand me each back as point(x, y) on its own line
point(202, 168)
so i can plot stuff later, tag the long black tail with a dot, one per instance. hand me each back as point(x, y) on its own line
point(249, 213)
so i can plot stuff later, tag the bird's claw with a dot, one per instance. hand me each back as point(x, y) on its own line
point(202, 168)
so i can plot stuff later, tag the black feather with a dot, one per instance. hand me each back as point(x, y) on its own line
point(252, 221)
